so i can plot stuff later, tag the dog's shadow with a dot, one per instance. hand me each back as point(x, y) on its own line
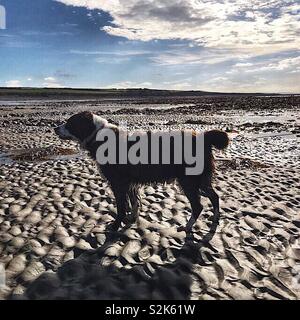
point(86, 278)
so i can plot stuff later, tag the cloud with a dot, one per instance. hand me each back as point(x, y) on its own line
point(112, 53)
point(282, 65)
point(128, 84)
point(13, 83)
point(217, 80)
point(180, 54)
point(113, 57)
point(243, 65)
point(51, 82)
point(195, 56)
point(274, 75)
point(112, 60)
point(50, 79)
point(263, 85)
point(253, 26)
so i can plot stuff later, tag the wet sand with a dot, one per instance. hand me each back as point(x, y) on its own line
point(55, 207)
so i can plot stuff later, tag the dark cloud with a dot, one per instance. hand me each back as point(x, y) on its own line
point(181, 12)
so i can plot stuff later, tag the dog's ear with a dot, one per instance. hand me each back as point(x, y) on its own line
point(87, 115)
point(81, 125)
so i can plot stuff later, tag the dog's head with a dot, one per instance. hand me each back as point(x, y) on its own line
point(80, 127)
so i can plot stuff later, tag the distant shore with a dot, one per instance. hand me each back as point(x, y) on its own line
point(90, 94)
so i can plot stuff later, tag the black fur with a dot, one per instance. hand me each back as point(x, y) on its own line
point(125, 180)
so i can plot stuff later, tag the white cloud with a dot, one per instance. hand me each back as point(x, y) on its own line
point(196, 57)
point(50, 79)
point(128, 84)
point(122, 53)
point(256, 26)
point(280, 76)
point(243, 64)
point(112, 60)
point(282, 65)
point(51, 82)
point(112, 57)
point(13, 83)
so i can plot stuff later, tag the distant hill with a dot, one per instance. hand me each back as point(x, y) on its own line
point(71, 93)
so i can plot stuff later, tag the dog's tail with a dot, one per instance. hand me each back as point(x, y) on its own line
point(217, 138)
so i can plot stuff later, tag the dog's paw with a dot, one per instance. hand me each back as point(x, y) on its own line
point(129, 219)
point(114, 226)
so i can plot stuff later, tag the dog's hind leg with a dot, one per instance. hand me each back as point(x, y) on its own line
point(214, 199)
point(120, 191)
point(193, 195)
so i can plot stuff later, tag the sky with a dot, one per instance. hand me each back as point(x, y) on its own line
point(211, 45)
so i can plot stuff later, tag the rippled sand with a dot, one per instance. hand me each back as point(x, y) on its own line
point(54, 212)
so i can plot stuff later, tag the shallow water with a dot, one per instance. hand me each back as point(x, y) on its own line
point(283, 135)
point(261, 118)
point(7, 158)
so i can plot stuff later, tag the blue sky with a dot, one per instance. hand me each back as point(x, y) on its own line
point(213, 45)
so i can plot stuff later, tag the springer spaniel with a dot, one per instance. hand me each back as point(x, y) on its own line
point(125, 179)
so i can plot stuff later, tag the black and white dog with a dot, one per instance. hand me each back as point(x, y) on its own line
point(125, 179)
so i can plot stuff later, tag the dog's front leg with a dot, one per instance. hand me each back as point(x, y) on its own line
point(134, 198)
point(120, 192)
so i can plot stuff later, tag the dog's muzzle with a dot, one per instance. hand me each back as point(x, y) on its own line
point(56, 130)
point(62, 132)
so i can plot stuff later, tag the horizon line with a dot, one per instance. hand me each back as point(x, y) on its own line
point(145, 88)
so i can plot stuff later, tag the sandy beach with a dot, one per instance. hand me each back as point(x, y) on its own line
point(55, 206)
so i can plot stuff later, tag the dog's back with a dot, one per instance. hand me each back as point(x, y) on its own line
point(161, 170)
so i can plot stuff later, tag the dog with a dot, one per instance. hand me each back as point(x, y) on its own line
point(126, 179)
